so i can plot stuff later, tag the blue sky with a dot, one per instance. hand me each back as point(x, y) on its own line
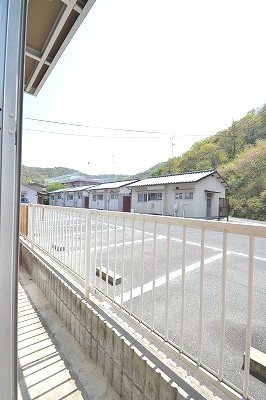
point(164, 72)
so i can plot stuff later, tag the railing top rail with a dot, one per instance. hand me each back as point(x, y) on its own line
point(240, 228)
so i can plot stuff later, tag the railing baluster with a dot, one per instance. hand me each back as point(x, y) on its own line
point(95, 246)
point(223, 308)
point(154, 275)
point(167, 283)
point(101, 251)
point(115, 259)
point(33, 218)
point(202, 257)
point(132, 263)
point(249, 316)
point(142, 269)
point(108, 253)
point(123, 264)
point(87, 255)
point(183, 288)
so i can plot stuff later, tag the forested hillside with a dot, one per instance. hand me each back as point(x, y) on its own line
point(39, 175)
point(239, 154)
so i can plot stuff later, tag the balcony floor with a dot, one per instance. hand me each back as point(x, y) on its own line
point(52, 365)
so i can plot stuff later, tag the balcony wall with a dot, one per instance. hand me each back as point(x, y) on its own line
point(135, 369)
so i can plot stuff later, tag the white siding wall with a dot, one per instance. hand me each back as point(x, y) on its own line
point(212, 184)
point(29, 193)
point(176, 206)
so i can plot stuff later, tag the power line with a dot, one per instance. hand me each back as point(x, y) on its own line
point(105, 128)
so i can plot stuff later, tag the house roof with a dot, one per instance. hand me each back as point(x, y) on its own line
point(72, 189)
point(71, 178)
point(188, 177)
point(113, 185)
point(50, 27)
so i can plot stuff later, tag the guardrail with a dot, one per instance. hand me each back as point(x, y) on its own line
point(190, 282)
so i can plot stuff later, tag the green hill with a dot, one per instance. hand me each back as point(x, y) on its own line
point(239, 154)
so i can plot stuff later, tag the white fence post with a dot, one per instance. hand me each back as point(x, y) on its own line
point(87, 254)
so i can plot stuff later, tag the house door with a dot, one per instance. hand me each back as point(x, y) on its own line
point(86, 202)
point(209, 205)
point(126, 203)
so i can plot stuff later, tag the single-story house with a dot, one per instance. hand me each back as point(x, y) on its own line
point(193, 194)
point(70, 197)
point(28, 192)
point(113, 196)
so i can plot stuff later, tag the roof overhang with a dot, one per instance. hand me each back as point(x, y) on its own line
point(51, 25)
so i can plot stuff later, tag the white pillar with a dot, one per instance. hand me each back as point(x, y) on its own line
point(12, 50)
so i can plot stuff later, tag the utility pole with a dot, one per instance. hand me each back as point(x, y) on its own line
point(172, 154)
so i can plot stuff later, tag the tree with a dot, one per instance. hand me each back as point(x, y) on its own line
point(54, 186)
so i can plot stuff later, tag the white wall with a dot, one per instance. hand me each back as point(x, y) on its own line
point(212, 184)
point(29, 193)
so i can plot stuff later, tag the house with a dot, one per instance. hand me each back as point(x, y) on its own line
point(29, 192)
point(73, 180)
point(193, 194)
point(41, 192)
point(113, 196)
point(70, 197)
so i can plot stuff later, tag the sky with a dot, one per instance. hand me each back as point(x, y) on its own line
point(142, 80)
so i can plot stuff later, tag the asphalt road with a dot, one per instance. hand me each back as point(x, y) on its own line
point(145, 294)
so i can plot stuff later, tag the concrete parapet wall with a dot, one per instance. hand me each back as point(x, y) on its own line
point(127, 368)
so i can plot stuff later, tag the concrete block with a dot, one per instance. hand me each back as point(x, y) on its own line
point(167, 390)
point(69, 299)
point(94, 350)
point(82, 335)
point(73, 324)
point(118, 350)
point(257, 364)
point(73, 302)
point(117, 379)
point(109, 346)
point(77, 329)
point(108, 368)
point(94, 325)
point(88, 342)
point(83, 313)
point(152, 384)
point(128, 354)
point(88, 319)
point(137, 394)
point(101, 332)
point(68, 319)
point(139, 370)
point(127, 388)
point(100, 358)
point(113, 278)
point(78, 307)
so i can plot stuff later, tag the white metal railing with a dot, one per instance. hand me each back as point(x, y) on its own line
point(191, 282)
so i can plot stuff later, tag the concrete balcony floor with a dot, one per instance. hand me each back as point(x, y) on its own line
point(52, 365)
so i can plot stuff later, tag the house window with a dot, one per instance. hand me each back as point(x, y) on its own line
point(189, 195)
point(155, 196)
point(79, 196)
point(114, 196)
point(70, 197)
point(94, 197)
point(99, 196)
point(179, 196)
point(52, 197)
point(142, 197)
point(59, 196)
